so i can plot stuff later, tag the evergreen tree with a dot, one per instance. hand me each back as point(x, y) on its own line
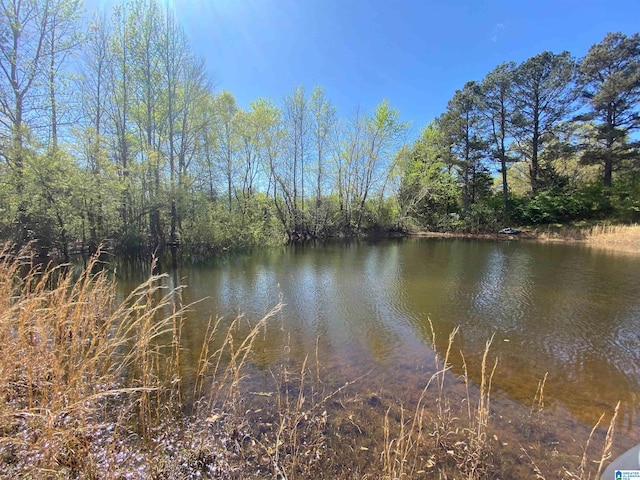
point(610, 81)
point(498, 108)
point(462, 126)
point(544, 96)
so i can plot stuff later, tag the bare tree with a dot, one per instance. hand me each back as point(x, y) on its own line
point(323, 123)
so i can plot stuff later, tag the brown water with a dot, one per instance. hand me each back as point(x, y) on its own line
point(567, 310)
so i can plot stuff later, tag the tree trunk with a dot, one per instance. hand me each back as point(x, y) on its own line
point(535, 146)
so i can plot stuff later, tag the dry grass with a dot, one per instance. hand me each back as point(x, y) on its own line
point(454, 438)
point(87, 386)
point(621, 238)
point(625, 238)
point(448, 440)
point(91, 389)
point(76, 369)
point(219, 373)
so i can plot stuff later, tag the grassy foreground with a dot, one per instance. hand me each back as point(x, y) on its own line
point(98, 390)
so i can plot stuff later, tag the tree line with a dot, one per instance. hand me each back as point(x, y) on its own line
point(557, 133)
point(113, 132)
point(118, 136)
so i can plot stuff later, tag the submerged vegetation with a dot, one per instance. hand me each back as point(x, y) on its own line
point(95, 388)
point(116, 137)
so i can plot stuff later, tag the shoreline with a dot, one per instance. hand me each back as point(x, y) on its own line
point(618, 238)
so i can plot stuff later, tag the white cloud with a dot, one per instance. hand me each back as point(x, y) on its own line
point(497, 30)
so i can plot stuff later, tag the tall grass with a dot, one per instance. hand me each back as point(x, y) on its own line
point(454, 440)
point(615, 237)
point(455, 443)
point(220, 372)
point(623, 238)
point(75, 366)
point(87, 385)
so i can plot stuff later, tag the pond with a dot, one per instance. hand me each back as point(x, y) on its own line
point(567, 311)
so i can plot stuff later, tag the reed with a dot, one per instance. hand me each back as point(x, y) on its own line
point(439, 441)
point(538, 400)
point(296, 442)
point(615, 237)
point(583, 472)
point(622, 238)
point(402, 455)
point(475, 454)
point(608, 441)
point(221, 371)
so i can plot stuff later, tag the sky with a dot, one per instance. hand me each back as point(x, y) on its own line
point(414, 53)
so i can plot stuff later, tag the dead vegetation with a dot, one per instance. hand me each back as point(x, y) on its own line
point(619, 238)
point(624, 238)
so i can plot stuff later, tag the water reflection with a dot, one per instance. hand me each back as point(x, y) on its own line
point(569, 311)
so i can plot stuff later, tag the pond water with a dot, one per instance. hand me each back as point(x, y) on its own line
point(565, 310)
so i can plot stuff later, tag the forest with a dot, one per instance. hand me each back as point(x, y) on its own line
point(112, 133)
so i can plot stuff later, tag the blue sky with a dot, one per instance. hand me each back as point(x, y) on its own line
point(413, 53)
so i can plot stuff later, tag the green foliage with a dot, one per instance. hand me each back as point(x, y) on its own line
point(209, 227)
point(381, 215)
point(50, 199)
point(428, 190)
point(8, 206)
point(483, 217)
point(156, 161)
point(550, 206)
point(625, 199)
point(610, 79)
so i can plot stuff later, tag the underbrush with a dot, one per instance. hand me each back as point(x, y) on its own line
point(98, 390)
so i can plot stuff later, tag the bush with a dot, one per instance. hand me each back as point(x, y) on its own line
point(626, 200)
point(210, 227)
point(482, 217)
point(551, 206)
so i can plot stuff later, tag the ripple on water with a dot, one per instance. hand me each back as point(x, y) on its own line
point(567, 311)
